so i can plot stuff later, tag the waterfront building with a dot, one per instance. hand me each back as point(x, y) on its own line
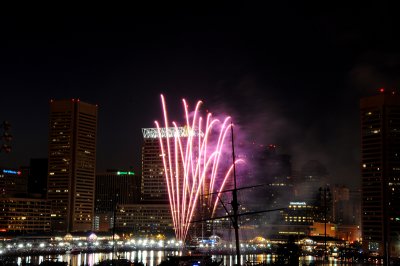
point(319, 229)
point(298, 212)
point(13, 182)
point(295, 220)
point(380, 172)
point(145, 219)
point(72, 164)
point(24, 215)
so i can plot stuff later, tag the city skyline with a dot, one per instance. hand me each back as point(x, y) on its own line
point(286, 75)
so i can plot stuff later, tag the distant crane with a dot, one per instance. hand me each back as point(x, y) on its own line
point(6, 137)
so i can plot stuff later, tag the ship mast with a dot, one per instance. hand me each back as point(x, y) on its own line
point(235, 204)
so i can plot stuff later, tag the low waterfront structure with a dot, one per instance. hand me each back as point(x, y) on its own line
point(24, 215)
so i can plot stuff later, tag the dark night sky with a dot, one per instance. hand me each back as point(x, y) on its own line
point(289, 73)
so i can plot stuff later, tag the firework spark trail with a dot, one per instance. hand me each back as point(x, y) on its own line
point(192, 163)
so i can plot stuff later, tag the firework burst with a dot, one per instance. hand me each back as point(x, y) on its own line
point(192, 158)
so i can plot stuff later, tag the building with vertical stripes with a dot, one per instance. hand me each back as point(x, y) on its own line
point(380, 173)
point(72, 164)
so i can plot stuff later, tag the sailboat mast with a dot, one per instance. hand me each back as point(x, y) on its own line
point(235, 205)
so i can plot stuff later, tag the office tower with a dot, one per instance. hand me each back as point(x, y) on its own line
point(72, 164)
point(346, 205)
point(313, 176)
point(380, 172)
point(154, 186)
point(114, 187)
point(154, 192)
point(275, 176)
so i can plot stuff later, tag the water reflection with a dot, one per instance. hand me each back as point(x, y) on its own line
point(153, 258)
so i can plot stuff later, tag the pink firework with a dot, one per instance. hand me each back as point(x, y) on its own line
point(192, 158)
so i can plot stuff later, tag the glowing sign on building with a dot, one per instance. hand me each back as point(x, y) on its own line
point(11, 172)
point(170, 132)
point(298, 203)
point(125, 173)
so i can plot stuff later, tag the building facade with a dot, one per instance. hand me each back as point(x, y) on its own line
point(24, 215)
point(153, 186)
point(37, 182)
point(72, 164)
point(13, 182)
point(114, 187)
point(145, 219)
point(380, 173)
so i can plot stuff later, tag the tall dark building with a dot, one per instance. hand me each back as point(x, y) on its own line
point(380, 172)
point(37, 181)
point(313, 176)
point(122, 187)
point(275, 175)
point(114, 188)
point(72, 164)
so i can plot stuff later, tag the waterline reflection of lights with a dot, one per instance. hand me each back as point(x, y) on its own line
point(160, 256)
point(152, 258)
point(144, 255)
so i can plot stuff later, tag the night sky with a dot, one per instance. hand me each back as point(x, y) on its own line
point(290, 74)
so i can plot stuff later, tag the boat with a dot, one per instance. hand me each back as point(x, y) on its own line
point(190, 260)
point(118, 262)
point(8, 262)
point(53, 262)
point(73, 251)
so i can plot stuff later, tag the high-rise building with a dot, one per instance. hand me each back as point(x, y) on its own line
point(346, 206)
point(154, 185)
point(37, 181)
point(154, 191)
point(380, 173)
point(312, 176)
point(114, 187)
point(275, 176)
point(72, 164)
